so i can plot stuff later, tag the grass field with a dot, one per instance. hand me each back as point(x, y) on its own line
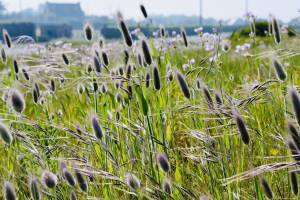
point(206, 121)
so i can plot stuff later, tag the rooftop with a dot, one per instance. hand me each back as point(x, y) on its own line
point(63, 10)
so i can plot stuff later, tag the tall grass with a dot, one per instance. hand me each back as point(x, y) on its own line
point(156, 131)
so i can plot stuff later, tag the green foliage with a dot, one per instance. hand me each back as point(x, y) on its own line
point(262, 30)
point(261, 27)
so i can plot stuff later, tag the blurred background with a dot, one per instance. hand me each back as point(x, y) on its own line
point(47, 20)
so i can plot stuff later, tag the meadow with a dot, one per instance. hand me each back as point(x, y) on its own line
point(166, 117)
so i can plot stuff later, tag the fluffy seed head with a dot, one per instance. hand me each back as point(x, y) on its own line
point(208, 97)
point(3, 55)
point(91, 176)
point(163, 162)
point(140, 60)
point(34, 189)
point(183, 85)
point(294, 150)
point(80, 88)
point(294, 134)
point(65, 59)
point(97, 64)
point(147, 80)
point(25, 73)
point(62, 79)
point(199, 84)
point(101, 43)
point(146, 52)
point(242, 128)
point(118, 97)
point(156, 78)
point(97, 54)
point(49, 179)
point(167, 186)
point(95, 85)
point(294, 183)
point(118, 84)
point(126, 57)
point(276, 31)
point(104, 88)
point(68, 177)
point(295, 102)
point(270, 26)
point(62, 165)
point(128, 71)
point(218, 98)
point(5, 134)
point(35, 96)
point(105, 59)
point(16, 66)
point(35, 92)
point(9, 192)
point(118, 116)
point(267, 189)
point(125, 32)
point(132, 181)
point(89, 68)
point(144, 11)
point(96, 127)
point(169, 74)
point(225, 47)
point(17, 101)
point(88, 32)
point(81, 180)
point(36, 87)
point(184, 37)
point(279, 69)
point(73, 196)
point(121, 71)
point(52, 85)
point(129, 90)
point(162, 31)
point(6, 38)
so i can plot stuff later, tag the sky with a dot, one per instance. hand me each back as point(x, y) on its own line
point(219, 9)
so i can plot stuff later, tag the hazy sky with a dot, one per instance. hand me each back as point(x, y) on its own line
point(221, 9)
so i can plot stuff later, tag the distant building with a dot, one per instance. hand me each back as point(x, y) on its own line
point(54, 31)
point(18, 29)
point(66, 11)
